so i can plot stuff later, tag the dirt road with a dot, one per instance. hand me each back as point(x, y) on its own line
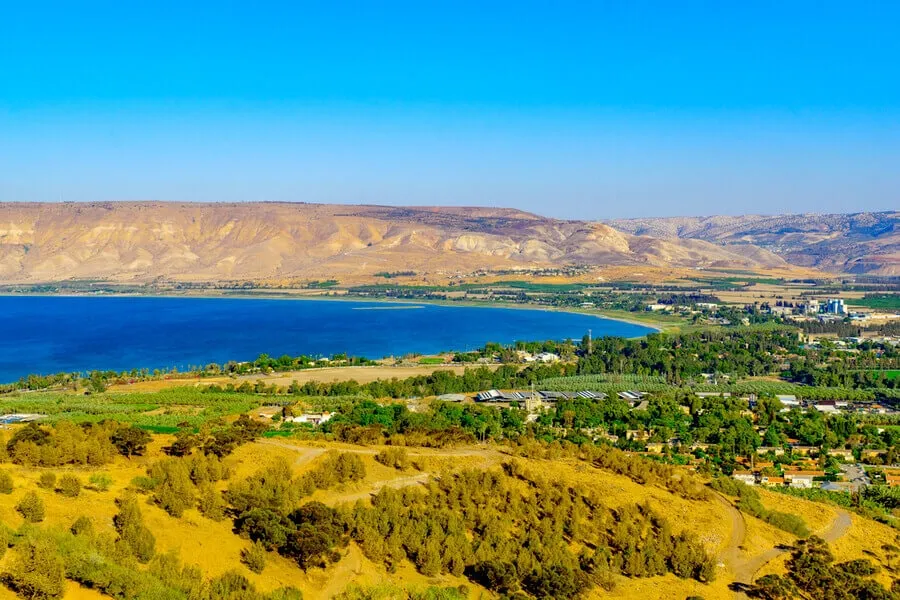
point(744, 570)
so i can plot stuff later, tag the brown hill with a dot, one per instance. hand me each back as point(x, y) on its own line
point(852, 243)
point(143, 241)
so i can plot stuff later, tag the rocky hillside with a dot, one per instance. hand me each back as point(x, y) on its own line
point(143, 241)
point(848, 243)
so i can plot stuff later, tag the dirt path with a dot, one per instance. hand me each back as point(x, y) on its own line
point(745, 570)
point(347, 569)
point(397, 483)
point(308, 453)
point(730, 556)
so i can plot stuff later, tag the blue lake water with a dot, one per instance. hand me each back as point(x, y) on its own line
point(52, 334)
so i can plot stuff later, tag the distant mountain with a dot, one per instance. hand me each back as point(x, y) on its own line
point(867, 242)
point(144, 241)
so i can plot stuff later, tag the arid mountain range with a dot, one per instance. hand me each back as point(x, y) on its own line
point(146, 241)
point(867, 242)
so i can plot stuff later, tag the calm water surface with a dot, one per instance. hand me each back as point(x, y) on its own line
point(51, 334)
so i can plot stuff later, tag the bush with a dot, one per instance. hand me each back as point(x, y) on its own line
point(100, 481)
point(144, 483)
point(210, 503)
point(132, 532)
point(286, 593)
point(47, 481)
point(31, 507)
point(254, 557)
point(37, 571)
point(69, 486)
point(397, 458)
point(174, 491)
point(231, 584)
point(6, 483)
point(82, 526)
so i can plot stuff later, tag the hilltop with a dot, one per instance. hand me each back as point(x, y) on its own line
point(147, 241)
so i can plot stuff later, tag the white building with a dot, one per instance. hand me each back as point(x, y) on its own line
point(788, 400)
point(744, 477)
point(802, 479)
point(312, 419)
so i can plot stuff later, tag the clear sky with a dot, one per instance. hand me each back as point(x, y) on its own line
point(569, 109)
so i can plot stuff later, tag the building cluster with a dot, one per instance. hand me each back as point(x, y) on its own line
point(541, 357)
point(790, 402)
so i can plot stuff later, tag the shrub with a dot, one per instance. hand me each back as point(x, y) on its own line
point(144, 483)
point(210, 503)
point(31, 507)
point(397, 458)
point(37, 571)
point(132, 532)
point(100, 481)
point(6, 483)
point(254, 557)
point(174, 491)
point(6, 537)
point(231, 584)
point(69, 486)
point(82, 526)
point(286, 593)
point(47, 481)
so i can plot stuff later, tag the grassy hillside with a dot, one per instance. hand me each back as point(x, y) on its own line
point(213, 547)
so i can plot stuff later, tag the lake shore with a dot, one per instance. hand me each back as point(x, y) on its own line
point(53, 333)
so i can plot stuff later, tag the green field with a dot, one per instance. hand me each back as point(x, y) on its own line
point(157, 411)
point(431, 360)
point(879, 301)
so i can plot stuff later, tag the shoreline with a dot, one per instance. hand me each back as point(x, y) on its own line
point(653, 326)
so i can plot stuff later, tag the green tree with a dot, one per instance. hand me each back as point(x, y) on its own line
point(130, 440)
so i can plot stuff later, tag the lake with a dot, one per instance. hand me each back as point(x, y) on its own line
point(52, 334)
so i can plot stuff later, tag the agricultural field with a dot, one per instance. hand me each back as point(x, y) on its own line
point(877, 301)
point(163, 410)
point(361, 375)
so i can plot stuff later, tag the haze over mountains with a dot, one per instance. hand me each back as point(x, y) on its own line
point(145, 241)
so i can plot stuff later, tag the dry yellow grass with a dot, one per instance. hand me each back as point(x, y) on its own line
point(323, 375)
point(214, 548)
point(818, 516)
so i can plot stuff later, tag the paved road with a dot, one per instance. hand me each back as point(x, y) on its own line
point(856, 475)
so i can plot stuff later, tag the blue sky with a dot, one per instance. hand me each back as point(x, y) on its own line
point(585, 110)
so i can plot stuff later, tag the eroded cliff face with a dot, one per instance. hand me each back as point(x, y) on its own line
point(143, 241)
